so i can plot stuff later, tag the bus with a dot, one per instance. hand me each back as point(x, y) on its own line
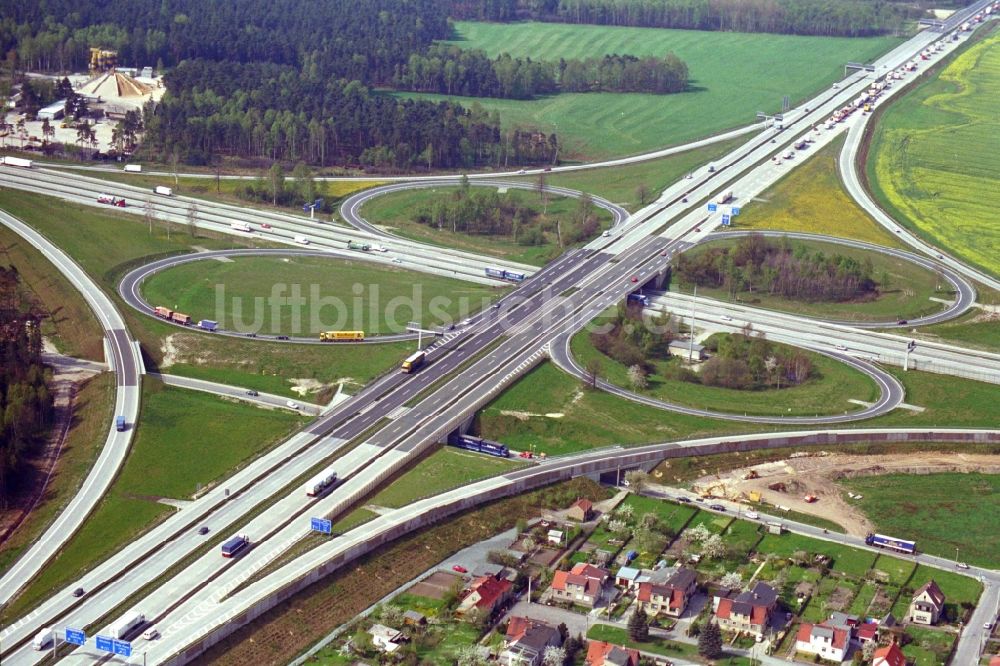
point(321, 483)
point(342, 336)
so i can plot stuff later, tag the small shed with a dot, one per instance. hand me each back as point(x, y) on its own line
point(556, 537)
point(414, 618)
point(53, 111)
point(685, 347)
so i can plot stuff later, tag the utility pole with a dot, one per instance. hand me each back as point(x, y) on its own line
point(910, 346)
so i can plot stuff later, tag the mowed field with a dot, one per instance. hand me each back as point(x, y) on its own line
point(811, 199)
point(934, 157)
point(306, 295)
point(733, 75)
point(941, 512)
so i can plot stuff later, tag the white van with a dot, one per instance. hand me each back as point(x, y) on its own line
point(150, 634)
point(301, 240)
point(42, 639)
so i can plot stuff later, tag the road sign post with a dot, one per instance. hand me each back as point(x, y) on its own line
point(75, 636)
point(734, 211)
point(725, 220)
point(321, 525)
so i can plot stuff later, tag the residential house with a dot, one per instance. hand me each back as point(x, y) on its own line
point(889, 656)
point(748, 612)
point(582, 585)
point(868, 633)
point(556, 537)
point(600, 653)
point(830, 643)
point(670, 598)
point(927, 604)
point(582, 511)
point(629, 577)
point(486, 594)
point(526, 640)
point(385, 638)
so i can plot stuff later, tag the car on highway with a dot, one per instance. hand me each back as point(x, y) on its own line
point(459, 568)
point(840, 348)
point(635, 279)
point(397, 260)
point(684, 200)
point(988, 626)
point(78, 592)
point(292, 404)
point(521, 171)
point(697, 229)
point(962, 565)
point(265, 225)
point(465, 322)
point(902, 322)
point(150, 634)
point(252, 392)
point(752, 515)
point(684, 500)
point(525, 454)
point(281, 337)
point(717, 507)
point(726, 318)
point(495, 306)
point(203, 530)
point(251, 335)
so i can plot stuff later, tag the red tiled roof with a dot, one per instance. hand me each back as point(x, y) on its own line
point(490, 591)
point(805, 631)
point(598, 650)
point(889, 656)
point(758, 615)
point(584, 504)
point(840, 636)
point(516, 627)
point(867, 631)
point(559, 580)
point(724, 609)
point(590, 571)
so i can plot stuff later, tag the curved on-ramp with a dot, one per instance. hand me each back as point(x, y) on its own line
point(127, 363)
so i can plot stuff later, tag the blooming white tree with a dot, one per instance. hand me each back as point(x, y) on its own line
point(698, 533)
point(473, 655)
point(554, 656)
point(732, 580)
point(624, 511)
point(714, 546)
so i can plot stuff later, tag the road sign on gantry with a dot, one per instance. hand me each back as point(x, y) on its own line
point(712, 207)
point(75, 636)
point(105, 643)
point(124, 648)
point(321, 525)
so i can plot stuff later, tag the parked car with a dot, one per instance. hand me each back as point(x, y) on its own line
point(252, 392)
point(717, 507)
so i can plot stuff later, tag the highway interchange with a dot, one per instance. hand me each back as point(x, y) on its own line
point(415, 412)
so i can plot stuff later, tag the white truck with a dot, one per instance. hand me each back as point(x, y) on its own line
point(17, 161)
point(240, 226)
point(124, 626)
point(133, 168)
point(724, 196)
point(43, 639)
point(165, 191)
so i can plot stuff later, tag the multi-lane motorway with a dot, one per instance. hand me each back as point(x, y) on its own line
point(390, 422)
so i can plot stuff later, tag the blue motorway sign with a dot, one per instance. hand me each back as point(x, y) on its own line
point(712, 207)
point(734, 211)
point(75, 636)
point(105, 643)
point(321, 525)
point(124, 648)
point(725, 220)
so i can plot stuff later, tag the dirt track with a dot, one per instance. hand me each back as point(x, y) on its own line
point(817, 474)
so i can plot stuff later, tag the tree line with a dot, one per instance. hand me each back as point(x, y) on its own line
point(756, 264)
point(278, 112)
point(847, 18)
point(26, 407)
point(450, 70)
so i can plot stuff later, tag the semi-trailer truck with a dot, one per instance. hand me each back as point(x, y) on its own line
point(128, 623)
point(208, 325)
point(240, 226)
point(180, 318)
point(133, 168)
point(321, 483)
point(413, 362)
point(364, 247)
point(17, 161)
point(724, 197)
point(43, 639)
point(341, 336)
point(235, 546)
point(165, 191)
point(891, 543)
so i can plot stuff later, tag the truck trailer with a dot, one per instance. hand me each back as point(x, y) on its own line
point(17, 161)
point(321, 483)
point(208, 325)
point(413, 362)
point(341, 336)
point(235, 546)
point(133, 168)
point(240, 226)
point(165, 191)
point(128, 623)
point(891, 543)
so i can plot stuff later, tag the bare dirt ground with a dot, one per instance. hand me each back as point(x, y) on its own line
point(67, 375)
point(817, 474)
